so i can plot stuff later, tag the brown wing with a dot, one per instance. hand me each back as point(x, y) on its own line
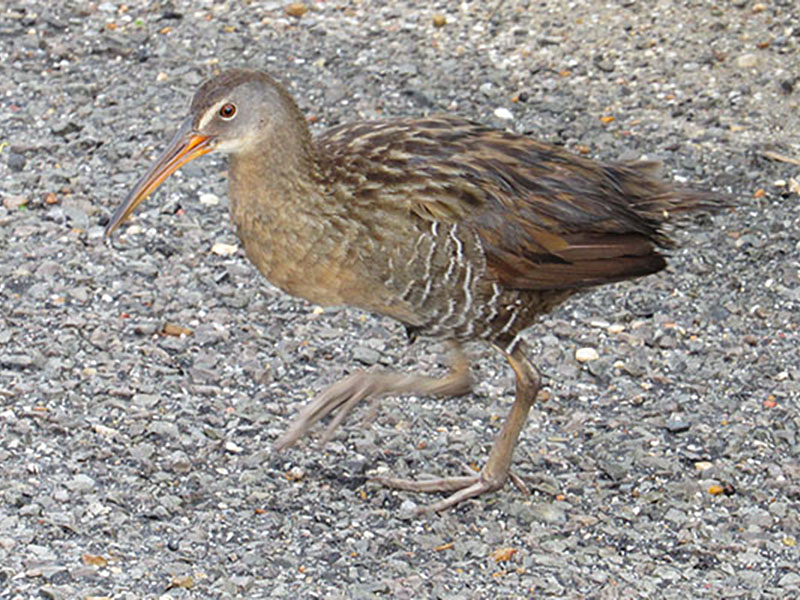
point(548, 219)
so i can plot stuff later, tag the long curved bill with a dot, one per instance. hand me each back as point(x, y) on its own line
point(185, 146)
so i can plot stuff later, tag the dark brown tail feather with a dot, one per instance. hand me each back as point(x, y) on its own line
point(660, 200)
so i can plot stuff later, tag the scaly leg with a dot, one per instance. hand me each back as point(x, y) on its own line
point(498, 468)
point(354, 388)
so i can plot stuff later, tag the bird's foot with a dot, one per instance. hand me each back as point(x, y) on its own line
point(343, 395)
point(462, 488)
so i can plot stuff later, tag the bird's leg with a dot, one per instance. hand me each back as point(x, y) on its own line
point(497, 469)
point(354, 388)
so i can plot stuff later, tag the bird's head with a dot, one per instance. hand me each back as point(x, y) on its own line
point(232, 113)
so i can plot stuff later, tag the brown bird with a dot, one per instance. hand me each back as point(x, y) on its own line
point(459, 231)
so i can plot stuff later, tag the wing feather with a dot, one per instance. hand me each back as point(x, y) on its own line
point(547, 219)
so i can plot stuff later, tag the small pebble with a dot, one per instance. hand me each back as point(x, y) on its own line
point(81, 483)
point(548, 512)
point(503, 113)
point(16, 162)
point(223, 249)
point(146, 400)
point(747, 61)
point(366, 355)
point(677, 426)
point(586, 354)
point(233, 448)
point(16, 361)
point(208, 199)
point(14, 202)
point(791, 581)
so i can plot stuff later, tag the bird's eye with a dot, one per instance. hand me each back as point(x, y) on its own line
point(228, 111)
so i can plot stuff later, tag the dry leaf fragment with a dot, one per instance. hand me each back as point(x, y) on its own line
point(175, 330)
point(503, 554)
point(296, 9)
point(94, 560)
point(446, 546)
point(769, 154)
point(295, 474)
point(103, 430)
point(186, 582)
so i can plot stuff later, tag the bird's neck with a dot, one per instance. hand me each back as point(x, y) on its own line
point(279, 208)
point(273, 175)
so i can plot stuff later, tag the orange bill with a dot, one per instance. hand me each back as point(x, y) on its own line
point(185, 146)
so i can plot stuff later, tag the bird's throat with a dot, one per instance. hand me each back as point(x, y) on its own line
point(278, 208)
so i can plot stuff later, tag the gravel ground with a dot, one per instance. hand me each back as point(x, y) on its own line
point(136, 461)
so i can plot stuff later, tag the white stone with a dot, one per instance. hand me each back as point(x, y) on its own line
point(232, 447)
point(503, 113)
point(586, 354)
point(224, 249)
point(747, 61)
point(209, 199)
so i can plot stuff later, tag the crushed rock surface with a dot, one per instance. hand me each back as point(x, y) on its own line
point(142, 384)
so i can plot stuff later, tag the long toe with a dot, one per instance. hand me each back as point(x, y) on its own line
point(343, 395)
point(462, 488)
